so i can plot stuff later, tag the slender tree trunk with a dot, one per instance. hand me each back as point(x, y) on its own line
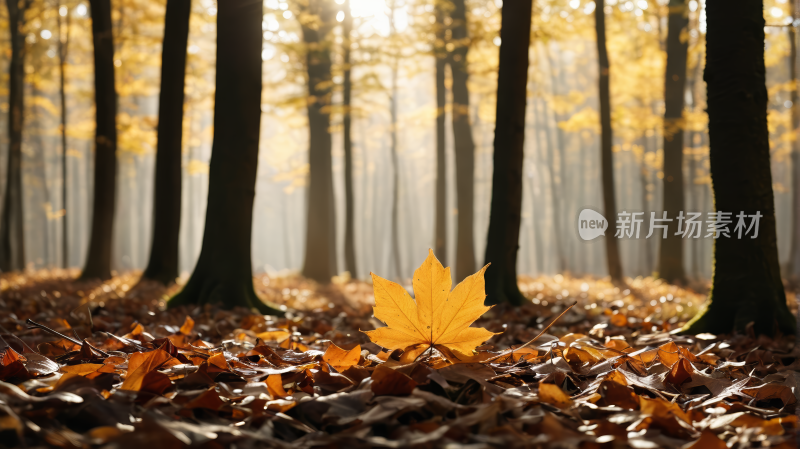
point(98, 260)
point(12, 239)
point(793, 265)
point(746, 286)
point(671, 255)
point(502, 243)
point(63, 47)
point(464, 144)
point(320, 254)
point(555, 189)
point(163, 263)
point(224, 274)
point(347, 88)
point(440, 225)
point(396, 259)
point(606, 156)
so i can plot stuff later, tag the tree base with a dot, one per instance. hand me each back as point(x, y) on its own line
point(226, 294)
point(506, 294)
point(715, 318)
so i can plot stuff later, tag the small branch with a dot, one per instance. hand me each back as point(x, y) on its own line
point(34, 325)
point(534, 338)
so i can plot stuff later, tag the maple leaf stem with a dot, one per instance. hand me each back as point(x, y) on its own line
point(534, 338)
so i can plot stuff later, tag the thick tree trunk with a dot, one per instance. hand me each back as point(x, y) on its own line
point(440, 212)
point(98, 260)
point(223, 274)
point(671, 255)
point(793, 265)
point(502, 243)
point(746, 286)
point(606, 156)
point(63, 47)
point(12, 239)
point(464, 144)
point(163, 263)
point(320, 254)
point(347, 89)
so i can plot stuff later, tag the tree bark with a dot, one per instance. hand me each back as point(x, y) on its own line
point(440, 212)
point(793, 265)
point(347, 88)
point(502, 243)
point(63, 47)
point(163, 263)
point(464, 144)
point(746, 285)
point(398, 265)
point(12, 238)
point(670, 259)
point(606, 156)
point(320, 253)
point(98, 259)
point(223, 274)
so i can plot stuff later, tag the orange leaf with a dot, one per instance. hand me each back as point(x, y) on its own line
point(386, 381)
point(188, 325)
point(341, 359)
point(552, 394)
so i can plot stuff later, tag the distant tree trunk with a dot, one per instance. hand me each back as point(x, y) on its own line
point(398, 265)
point(671, 255)
point(793, 266)
point(163, 263)
point(12, 239)
point(440, 212)
point(320, 255)
point(63, 47)
point(347, 88)
point(746, 286)
point(224, 273)
point(606, 156)
point(98, 260)
point(502, 242)
point(464, 144)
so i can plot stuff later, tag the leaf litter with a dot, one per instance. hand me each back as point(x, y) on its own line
point(611, 372)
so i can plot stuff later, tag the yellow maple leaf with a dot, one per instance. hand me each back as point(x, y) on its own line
point(438, 317)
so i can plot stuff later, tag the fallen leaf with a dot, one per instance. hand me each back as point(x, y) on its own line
point(438, 317)
point(552, 394)
point(386, 381)
point(341, 359)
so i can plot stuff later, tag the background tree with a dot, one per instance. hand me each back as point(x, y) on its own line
point(12, 240)
point(606, 140)
point(163, 263)
point(509, 138)
point(347, 125)
point(746, 286)
point(223, 274)
point(464, 143)
point(671, 255)
point(320, 256)
point(793, 265)
point(440, 204)
point(98, 260)
point(63, 27)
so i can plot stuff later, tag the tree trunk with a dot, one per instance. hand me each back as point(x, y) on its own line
point(347, 88)
point(398, 265)
point(163, 263)
point(98, 260)
point(671, 255)
point(63, 47)
point(440, 212)
point(464, 144)
point(320, 254)
point(12, 239)
point(746, 286)
point(223, 274)
point(793, 265)
point(606, 156)
point(502, 242)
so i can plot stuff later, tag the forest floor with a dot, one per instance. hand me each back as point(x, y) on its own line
point(610, 373)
